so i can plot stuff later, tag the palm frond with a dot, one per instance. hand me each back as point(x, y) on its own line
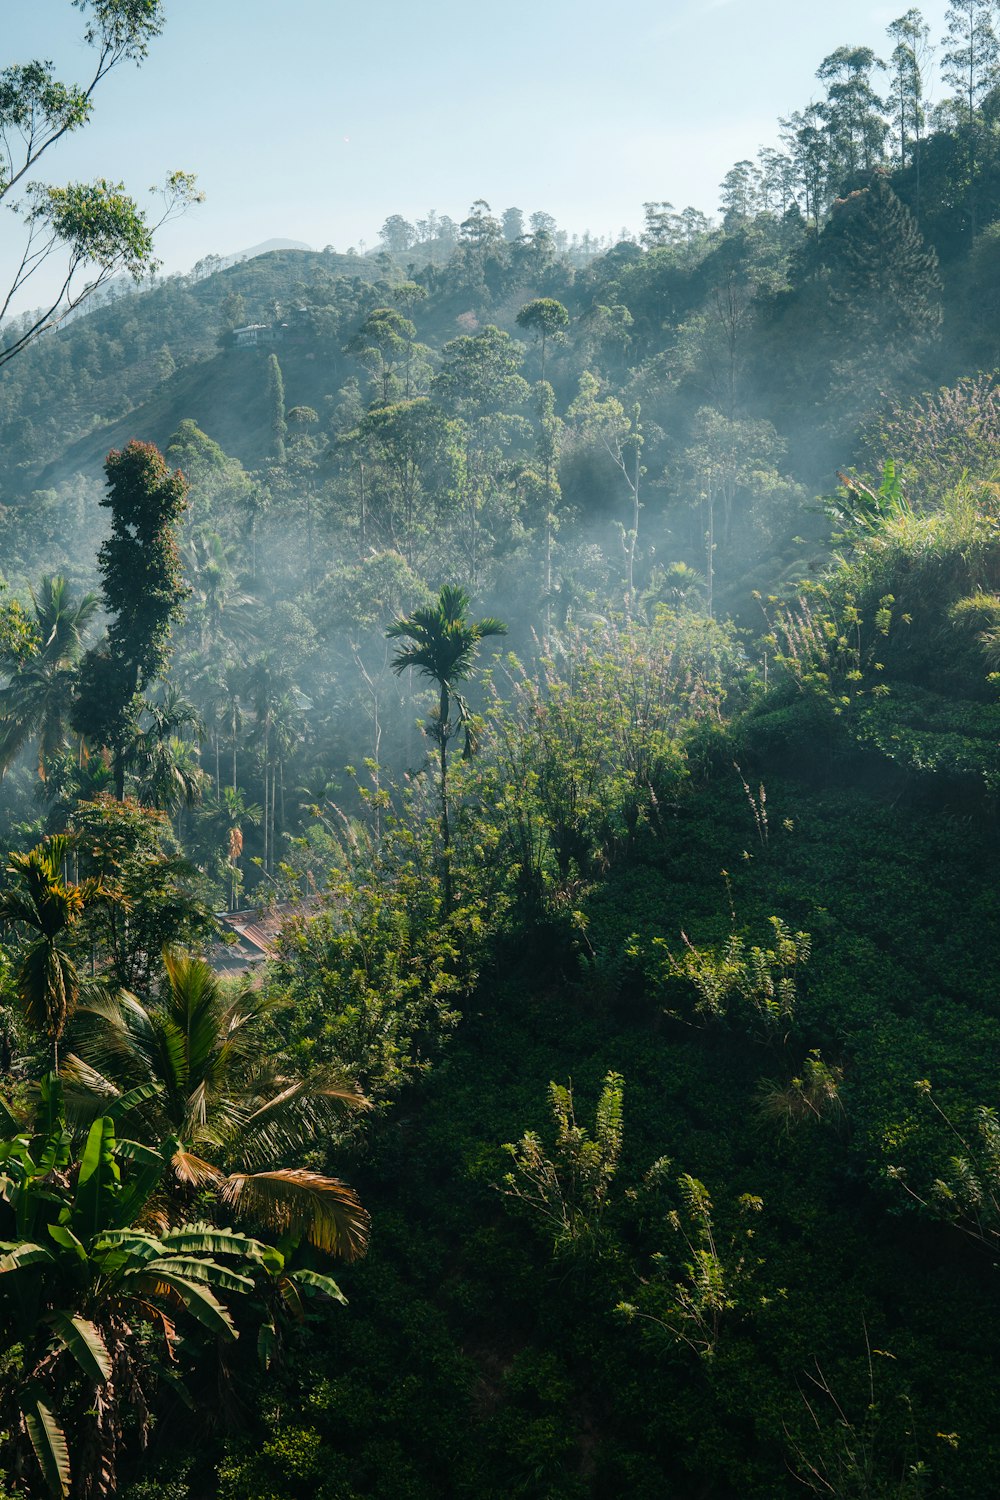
point(325, 1210)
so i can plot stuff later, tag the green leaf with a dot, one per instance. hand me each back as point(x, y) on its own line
point(204, 1239)
point(208, 1271)
point(267, 1344)
point(81, 1339)
point(99, 1177)
point(320, 1283)
point(68, 1240)
point(133, 1241)
point(25, 1255)
point(133, 1098)
point(198, 1300)
point(49, 1443)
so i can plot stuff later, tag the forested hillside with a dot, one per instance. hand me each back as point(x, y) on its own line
point(574, 667)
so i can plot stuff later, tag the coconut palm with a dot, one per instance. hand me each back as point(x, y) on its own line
point(443, 645)
point(240, 1114)
point(36, 699)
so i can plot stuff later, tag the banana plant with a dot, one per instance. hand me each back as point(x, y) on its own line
point(100, 1305)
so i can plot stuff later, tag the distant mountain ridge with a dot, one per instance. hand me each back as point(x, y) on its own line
point(264, 248)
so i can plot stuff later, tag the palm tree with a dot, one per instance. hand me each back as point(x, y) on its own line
point(235, 1106)
point(164, 762)
point(443, 645)
point(36, 699)
point(97, 1299)
point(229, 811)
point(46, 978)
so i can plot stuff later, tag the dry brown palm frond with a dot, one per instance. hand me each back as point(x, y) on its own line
point(324, 1209)
point(193, 1171)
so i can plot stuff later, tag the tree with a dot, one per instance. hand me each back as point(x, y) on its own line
point(383, 344)
point(397, 234)
point(884, 281)
point(443, 645)
point(480, 384)
point(218, 1086)
point(153, 894)
point(480, 230)
point(36, 700)
point(142, 592)
point(550, 431)
point(94, 1309)
point(852, 113)
point(97, 227)
point(971, 65)
point(406, 443)
point(805, 137)
point(276, 408)
point(545, 318)
point(622, 439)
point(738, 193)
point(513, 224)
point(542, 223)
point(910, 33)
point(48, 906)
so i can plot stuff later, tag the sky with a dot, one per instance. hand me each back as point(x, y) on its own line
point(316, 120)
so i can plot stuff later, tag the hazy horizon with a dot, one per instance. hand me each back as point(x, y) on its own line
point(319, 129)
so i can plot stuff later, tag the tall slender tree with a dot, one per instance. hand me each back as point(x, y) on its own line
point(971, 66)
point(910, 34)
point(276, 408)
point(443, 645)
point(142, 590)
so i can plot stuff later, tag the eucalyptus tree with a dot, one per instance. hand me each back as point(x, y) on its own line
point(480, 230)
point(442, 644)
point(546, 318)
point(385, 344)
point(409, 451)
point(621, 436)
point(94, 229)
point(971, 66)
point(911, 34)
point(852, 113)
point(397, 234)
point(805, 138)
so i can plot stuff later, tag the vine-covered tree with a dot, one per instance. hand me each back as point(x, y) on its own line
point(142, 591)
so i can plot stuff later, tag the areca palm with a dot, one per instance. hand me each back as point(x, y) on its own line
point(443, 644)
point(240, 1115)
point(46, 978)
point(37, 696)
point(164, 761)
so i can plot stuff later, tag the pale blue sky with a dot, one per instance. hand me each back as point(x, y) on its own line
point(314, 119)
